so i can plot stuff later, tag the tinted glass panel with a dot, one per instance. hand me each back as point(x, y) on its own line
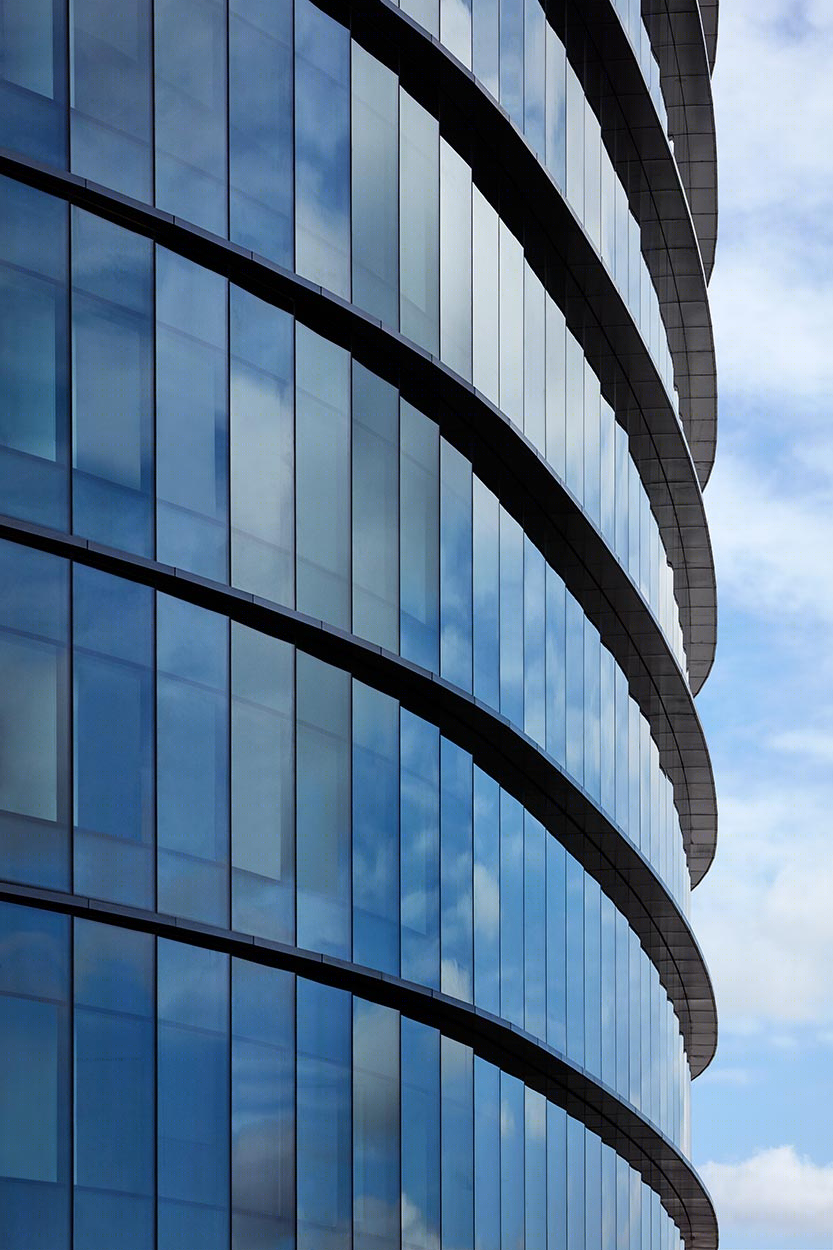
point(375, 466)
point(419, 233)
point(375, 186)
point(33, 87)
point(375, 829)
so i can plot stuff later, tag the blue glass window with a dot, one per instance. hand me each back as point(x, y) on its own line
point(556, 946)
point(535, 1106)
point(486, 892)
point(192, 1098)
point(535, 927)
point(192, 719)
point(512, 59)
point(375, 186)
point(34, 717)
point(511, 617)
point(486, 1155)
point(112, 384)
point(455, 566)
point(262, 785)
point(191, 416)
point(420, 1067)
point(457, 1157)
point(512, 1163)
point(33, 87)
point(419, 538)
point(113, 676)
point(556, 1178)
point(114, 1087)
point(486, 577)
point(420, 850)
point(262, 449)
point(511, 909)
point(322, 149)
point(375, 829)
point(375, 509)
point(456, 936)
point(376, 1127)
point(419, 225)
point(260, 127)
point(324, 1138)
point(34, 431)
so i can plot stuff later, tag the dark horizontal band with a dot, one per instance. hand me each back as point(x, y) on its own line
point(509, 465)
point(617, 1123)
point(678, 40)
point(502, 750)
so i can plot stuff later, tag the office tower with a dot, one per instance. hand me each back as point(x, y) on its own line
point(357, 398)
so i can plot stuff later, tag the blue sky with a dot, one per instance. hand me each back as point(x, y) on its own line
point(763, 1112)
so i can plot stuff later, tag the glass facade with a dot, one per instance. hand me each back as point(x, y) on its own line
point(239, 545)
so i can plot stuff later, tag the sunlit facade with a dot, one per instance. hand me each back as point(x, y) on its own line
point(358, 394)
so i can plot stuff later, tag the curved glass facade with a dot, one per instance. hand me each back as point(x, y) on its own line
point(309, 703)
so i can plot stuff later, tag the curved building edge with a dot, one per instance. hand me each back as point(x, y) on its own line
point(543, 1069)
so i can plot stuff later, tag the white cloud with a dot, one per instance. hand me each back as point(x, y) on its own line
point(778, 1190)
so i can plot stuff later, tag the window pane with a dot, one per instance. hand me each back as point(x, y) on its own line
point(190, 119)
point(534, 355)
point(556, 946)
point(112, 384)
point(455, 28)
point(456, 872)
point(419, 538)
point(486, 892)
point(34, 1079)
point(376, 1169)
point(33, 87)
point(324, 1137)
point(512, 59)
point(511, 326)
point(486, 1155)
point(511, 1163)
point(114, 1088)
point(322, 486)
point(323, 807)
point(511, 910)
point(262, 780)
point(420, 1136)
point(262, 453)
point(457, 1118)
point(420, 850)
point(375, 509)
point(455, 254)
point(375, 187)
point(192, 1098)
point(419, 227)
point(375, 829)
point(114, 738)
point(192, 761)
point(485, 43)
point(191, 416)
point(486, 568)
point(485, 296)
point(322, 149)
point(535, 948)
point(262, 1107)
point(455, 566)
point(260, 127)
point(111, 94)
point(534, 75)
point(34, 706)
point(33, 355)
point(511, 617)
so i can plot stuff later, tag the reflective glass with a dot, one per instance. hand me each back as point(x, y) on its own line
point(534, 353)
point(34, 717)
point(486, 566)
point(511, 909)
point(113, 784)
point(190, 118)
point(575, 688)
point(556, 107)
point(556, 692)
point(262, 449)
point(485, 295)
point(324, 1137)
point(511, 616)
point(323, 806)
point(457, 1119)
point(535, 1141)
point(534, 623)
point(592, 711)
point(322, 149)
point(375, 470)
point(419, 224)
point(33, 85)
point(486, 1155)
point(593, 1189)
point(556, 1178)
point(376, 1127)
point(535, 76)
point(455, 28)
point(262, 793)
point(556, 945)
point(511, 326)
point(456, 935)
point(322, 477)
point(535, 927)
point(375, 855)
point(574, 450)
point(262, 1107)
point(455, 259)
point(592, 977)
point(420, 1066)
point(512, 59)
point(576, 107)
point(192, 729)
point(485, 35)
point(375, 186)
point(191, 416)
point(575, 1186)
point(420, 850)
point(455, 566)
point(114, 1046)
point(486, 892)
point(34, 432)
point(574, 902)
point(192, 1090)
point(112, 101)
point(512, 1169)
point(112, 384)
point(260, 127)
point(426, 12)
point(556, 380)
point(419, 538)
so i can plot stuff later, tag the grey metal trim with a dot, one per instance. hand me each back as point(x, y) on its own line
point(517, 473)
point(679, 43)
point(661, 1164)
point(503, 750)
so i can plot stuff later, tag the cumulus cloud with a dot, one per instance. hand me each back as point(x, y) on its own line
point(779, 1191)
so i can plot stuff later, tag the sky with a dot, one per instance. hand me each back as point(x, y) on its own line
point(763, 1111)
